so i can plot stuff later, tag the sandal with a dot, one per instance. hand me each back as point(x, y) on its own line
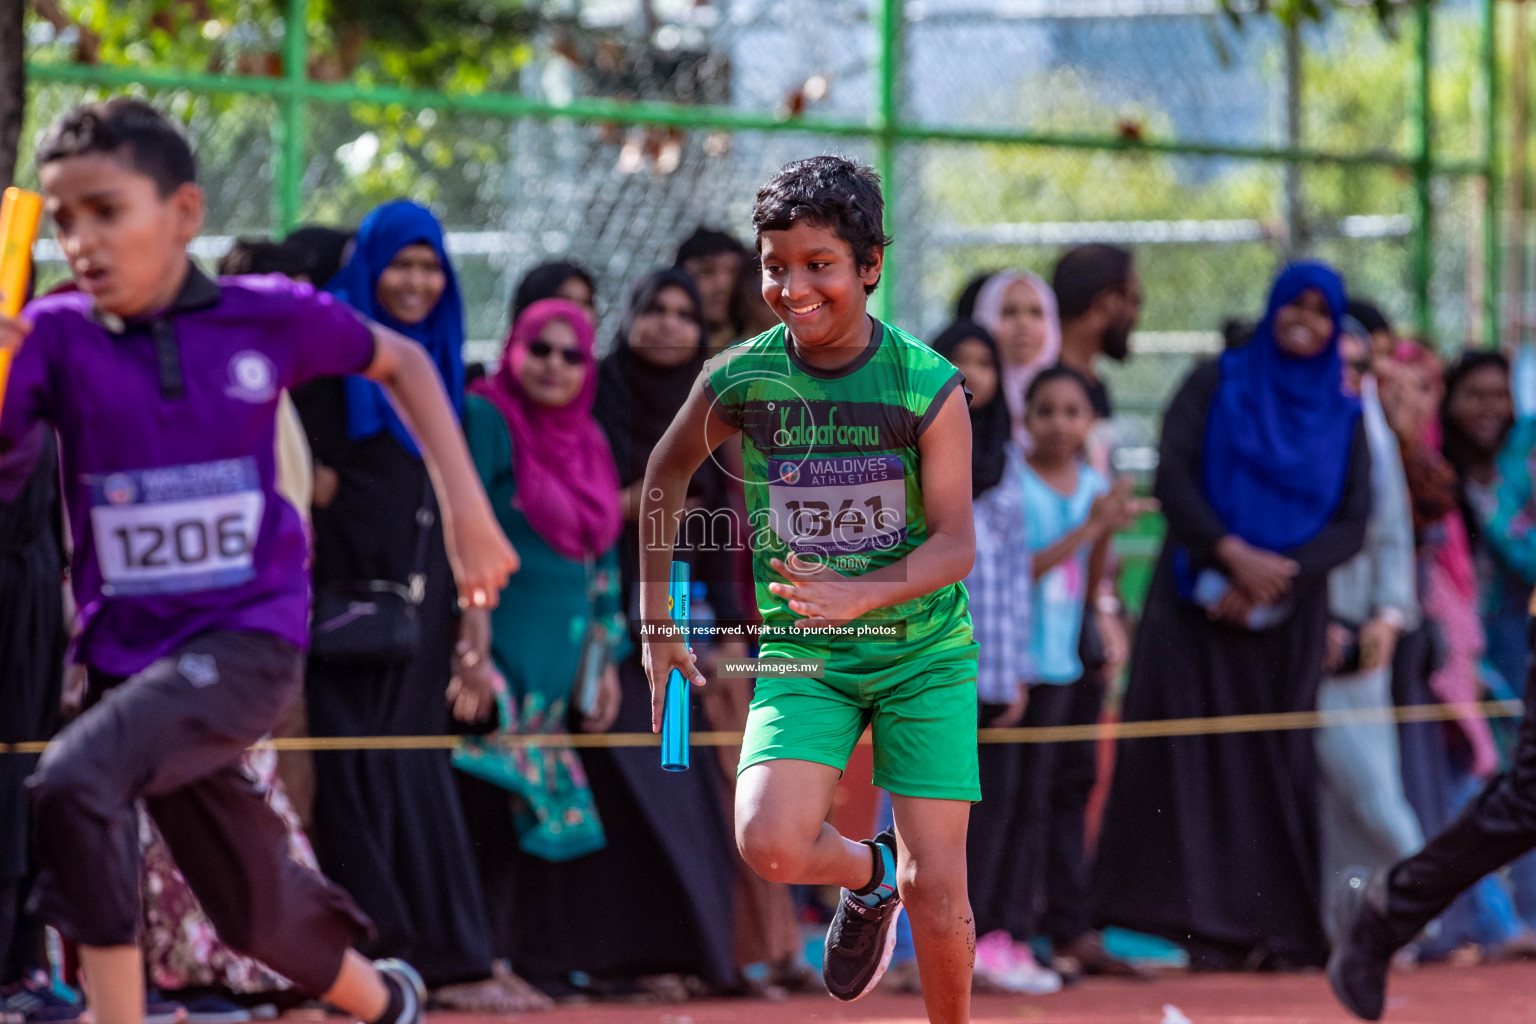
point(663, 988)
point(901, 980)
point(487, 997)
point(527, 998)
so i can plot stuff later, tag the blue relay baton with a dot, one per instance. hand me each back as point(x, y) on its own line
point(674, 712)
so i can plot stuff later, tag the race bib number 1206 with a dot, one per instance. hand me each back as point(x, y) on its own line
point(177, 528)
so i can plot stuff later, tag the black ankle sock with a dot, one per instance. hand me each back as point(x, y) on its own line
point(396, 1006)
point(882, 882)
point(877, 872)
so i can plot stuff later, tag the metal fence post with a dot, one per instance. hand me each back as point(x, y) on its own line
point(290, 159)
point(888, 117)
point(1521, 170)
point(1492, 271)
point(1293, 199)
point(1422, 139)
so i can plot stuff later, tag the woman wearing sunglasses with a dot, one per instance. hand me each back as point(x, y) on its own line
point(551, 479)
point(669, 849)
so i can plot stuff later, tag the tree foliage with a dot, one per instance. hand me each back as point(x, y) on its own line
point(426, 43)
point(13, 91)
point(446, 45)
point(1299, 12)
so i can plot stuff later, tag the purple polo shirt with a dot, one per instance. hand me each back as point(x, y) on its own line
point(168, 451)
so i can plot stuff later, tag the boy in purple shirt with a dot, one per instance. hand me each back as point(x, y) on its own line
point(189, 568)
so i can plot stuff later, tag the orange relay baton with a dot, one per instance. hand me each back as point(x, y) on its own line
point(20, 212)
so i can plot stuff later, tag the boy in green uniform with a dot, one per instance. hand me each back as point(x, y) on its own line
point(856, 450)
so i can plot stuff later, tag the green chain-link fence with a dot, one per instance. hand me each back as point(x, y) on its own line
point(1005, 130)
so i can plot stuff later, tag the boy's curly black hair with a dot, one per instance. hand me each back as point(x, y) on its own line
point(133, 131)
point(829, 192)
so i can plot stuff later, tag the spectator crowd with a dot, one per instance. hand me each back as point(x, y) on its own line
point(1348, 526)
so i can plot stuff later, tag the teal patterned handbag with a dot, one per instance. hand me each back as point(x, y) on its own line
point(553, 810)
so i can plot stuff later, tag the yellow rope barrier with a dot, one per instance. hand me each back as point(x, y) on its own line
point(1213, 726)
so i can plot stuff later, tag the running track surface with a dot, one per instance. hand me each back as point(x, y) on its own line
point(1504, 994)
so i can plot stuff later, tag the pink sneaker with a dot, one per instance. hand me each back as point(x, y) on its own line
point(994, 956)
point(1029, 975)
point(1012, 966)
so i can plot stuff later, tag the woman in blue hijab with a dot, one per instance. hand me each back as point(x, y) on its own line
point(1264, 477)
point(388, 826)
point(398, 274)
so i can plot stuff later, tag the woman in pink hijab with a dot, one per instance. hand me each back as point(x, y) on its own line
point(551, 478)
point(1412, 394)
point(1019, 309)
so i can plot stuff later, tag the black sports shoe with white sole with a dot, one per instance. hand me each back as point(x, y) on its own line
point(861, 939)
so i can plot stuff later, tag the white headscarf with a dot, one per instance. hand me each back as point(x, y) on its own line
point(989, 313)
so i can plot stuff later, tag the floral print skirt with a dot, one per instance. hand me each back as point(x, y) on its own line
point(181, 948)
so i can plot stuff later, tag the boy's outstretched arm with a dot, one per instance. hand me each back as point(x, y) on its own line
point(695, 432)
point(823, 597)
point(480, 553)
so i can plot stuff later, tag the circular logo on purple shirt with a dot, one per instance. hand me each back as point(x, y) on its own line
point(790, 474)
point(119, 489)
point(251, 377)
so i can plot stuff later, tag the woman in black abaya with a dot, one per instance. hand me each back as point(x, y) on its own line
point(32, 635)
point(1212, 841)
point(388, 825)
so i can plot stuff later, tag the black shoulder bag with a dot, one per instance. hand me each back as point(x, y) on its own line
point(374, 622)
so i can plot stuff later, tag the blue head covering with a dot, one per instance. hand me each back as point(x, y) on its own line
point(384, 232)
point(1280, 429)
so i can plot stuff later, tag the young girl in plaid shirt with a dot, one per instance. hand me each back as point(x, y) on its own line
point(1043, 524)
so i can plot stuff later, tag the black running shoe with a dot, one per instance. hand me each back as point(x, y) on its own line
point(860, 941)
point(33, 1001)
point(1357, 968)
point(160, 1010)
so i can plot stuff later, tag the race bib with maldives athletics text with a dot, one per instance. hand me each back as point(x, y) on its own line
point(177, 528)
